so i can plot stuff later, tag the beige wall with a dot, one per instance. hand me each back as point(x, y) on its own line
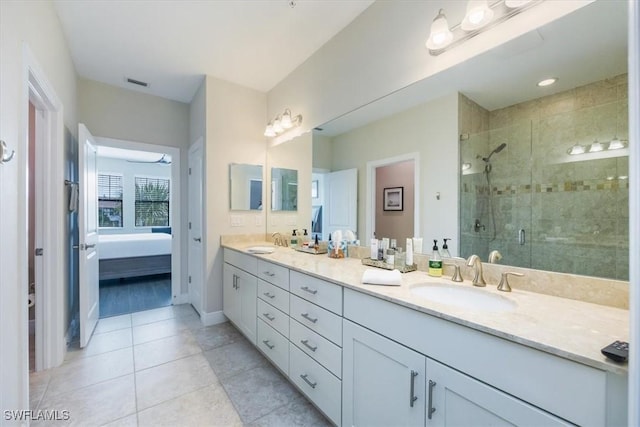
point(395, 224)
point(322, 152)
point(33, 24)
point(235, 121)
point(431, 131)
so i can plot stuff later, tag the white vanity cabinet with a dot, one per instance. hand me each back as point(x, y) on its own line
point(239, 299)
point(455, 399)
point(383, 382)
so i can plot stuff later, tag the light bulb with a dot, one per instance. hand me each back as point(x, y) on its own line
point(440, 36)
point(547, 82)
point(277, 126)
point(616, 144)
point(269, 132)
point(285, 121)
point(514, 4)
point(478, 15)
point(596, 147)
point(576, 149)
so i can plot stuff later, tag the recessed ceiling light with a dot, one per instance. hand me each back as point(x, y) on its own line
point(547, 82)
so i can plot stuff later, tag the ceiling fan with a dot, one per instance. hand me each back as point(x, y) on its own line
point(164, 160)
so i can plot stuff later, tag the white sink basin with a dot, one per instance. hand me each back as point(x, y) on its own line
point(463, 297)
point(261, 249)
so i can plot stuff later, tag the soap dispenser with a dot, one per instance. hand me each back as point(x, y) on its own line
point(445, 249)
point(294, 239)
point(435, 261)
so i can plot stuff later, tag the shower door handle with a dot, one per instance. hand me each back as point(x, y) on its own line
point(521, 236)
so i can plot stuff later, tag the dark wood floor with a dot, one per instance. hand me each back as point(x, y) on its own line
point(123, 296)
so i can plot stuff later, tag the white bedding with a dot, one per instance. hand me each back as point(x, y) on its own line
point(133, 245)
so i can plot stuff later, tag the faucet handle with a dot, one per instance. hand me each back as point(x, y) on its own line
point(457, 276)
point(504, 281)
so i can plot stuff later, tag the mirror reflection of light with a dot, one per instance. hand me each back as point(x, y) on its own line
point(466, 166)
point(478, 15)
point(576, 149)
point(616, 144)
point(596, 147)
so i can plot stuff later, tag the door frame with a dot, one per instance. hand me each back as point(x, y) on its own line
point(49, 150)
point(199, 145)
point(174, 203)
point(370, 220)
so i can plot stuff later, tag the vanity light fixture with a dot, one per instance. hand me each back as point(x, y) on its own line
point(576, 149)
point(547, 82)
point(479, 14)
point(596, 147)
point(480, 17)
point(282, 123)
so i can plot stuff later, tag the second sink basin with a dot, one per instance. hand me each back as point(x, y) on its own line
point(463, 297)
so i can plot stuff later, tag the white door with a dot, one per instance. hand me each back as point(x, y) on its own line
point(195, 226)
point(341, 201)
point(383, 382)
point(88, 230)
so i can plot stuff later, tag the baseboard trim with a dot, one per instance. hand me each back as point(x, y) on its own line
point(213, 318)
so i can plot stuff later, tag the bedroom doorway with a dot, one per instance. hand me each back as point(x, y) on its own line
point(139, 225)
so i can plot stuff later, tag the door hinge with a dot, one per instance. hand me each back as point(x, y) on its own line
point(189, 171)
point(39, 251)
point(189, 226)
point(189, 279)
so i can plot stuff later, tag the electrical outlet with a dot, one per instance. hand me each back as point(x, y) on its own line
point(236, 221)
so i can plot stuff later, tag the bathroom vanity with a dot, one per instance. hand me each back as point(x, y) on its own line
point(386, 355)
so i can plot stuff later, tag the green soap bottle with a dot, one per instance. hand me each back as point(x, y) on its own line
point(435, 262)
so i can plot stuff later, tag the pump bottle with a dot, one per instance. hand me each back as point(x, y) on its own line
point(435, 262)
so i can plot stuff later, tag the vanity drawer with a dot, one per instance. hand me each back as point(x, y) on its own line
point(319, 348)
point(325, 294)
point(277, 297)
point(317, 319)
point(272, 273)
point(244, 262)
point(273, 345)
point(318, 384)
point(273, 317)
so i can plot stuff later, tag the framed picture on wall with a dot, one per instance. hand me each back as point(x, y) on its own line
point(393, 199)
point(314, 189)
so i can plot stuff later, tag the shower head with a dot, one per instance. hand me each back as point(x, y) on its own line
point(498, 149)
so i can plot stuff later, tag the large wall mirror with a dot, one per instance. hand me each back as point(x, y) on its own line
point(538, 173)
point(284, 189)
point(245, 183)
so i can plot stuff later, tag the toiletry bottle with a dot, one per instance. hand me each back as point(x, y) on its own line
point(391, 253)
point(445, 249)
point(435, 262)
point(316, 244)
point(374, 248)
point(294, 239)
point(305, 238)
point(409, 257)
point(400, 259)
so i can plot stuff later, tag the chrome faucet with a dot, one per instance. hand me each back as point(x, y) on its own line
point(475, 262)
point(279, 240)
point(494, 257)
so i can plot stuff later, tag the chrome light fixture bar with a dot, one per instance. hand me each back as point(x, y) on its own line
point(282, 123)
point(480, 17)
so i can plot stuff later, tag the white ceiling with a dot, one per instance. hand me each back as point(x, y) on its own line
point(171, 44)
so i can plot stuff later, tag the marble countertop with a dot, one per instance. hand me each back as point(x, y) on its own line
point(563, 327)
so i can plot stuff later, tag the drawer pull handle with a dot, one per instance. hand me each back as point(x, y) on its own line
point(268, 316)
point(268, 273)
point(309, 318)
point(305, 377)
point(309, 346)
point(431, 409)
point(308, 289)
point(268, 295)
point(412, 395)
point(268, 344)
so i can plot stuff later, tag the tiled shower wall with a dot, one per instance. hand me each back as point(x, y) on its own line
point(573, 209)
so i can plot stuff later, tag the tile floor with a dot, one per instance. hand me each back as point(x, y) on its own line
point(162, 367)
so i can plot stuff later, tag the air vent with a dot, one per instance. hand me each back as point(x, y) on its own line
point(137, 82)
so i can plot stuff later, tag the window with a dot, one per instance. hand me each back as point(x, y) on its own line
point(152, 202)
point(109, 200)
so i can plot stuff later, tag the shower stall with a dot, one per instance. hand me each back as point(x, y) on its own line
point(545, 182)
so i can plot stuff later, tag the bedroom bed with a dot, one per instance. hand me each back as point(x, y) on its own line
point(133, 255)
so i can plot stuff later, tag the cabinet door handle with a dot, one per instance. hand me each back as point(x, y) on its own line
point(308, 289)
point(268, 344)
point(268, 316)
point(309, 318)
point(268, 273)
point(305, 377)
point(431, 409)
point(235, 282)
point(268, 295)
point(412, 395)
point(309, 346)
